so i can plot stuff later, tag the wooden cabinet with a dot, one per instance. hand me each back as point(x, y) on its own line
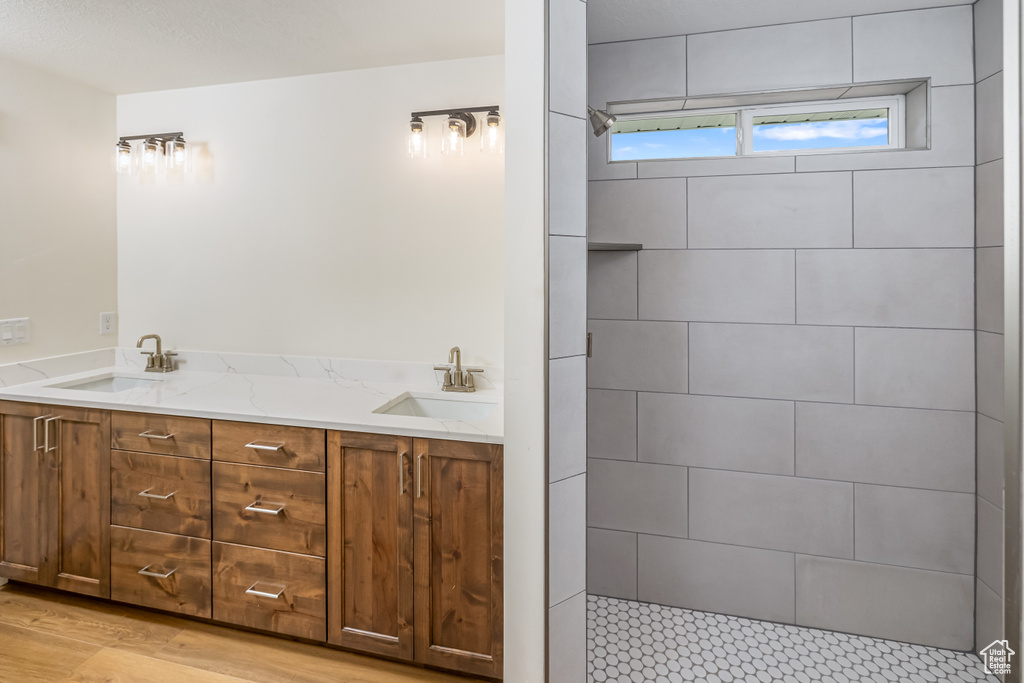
point(387, 545)
point(370, 508)
point(55, 489)
point(416, 542)
point(459, 556)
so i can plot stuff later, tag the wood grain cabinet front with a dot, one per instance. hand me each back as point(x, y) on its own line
point(270, 590)
point(270, 508)
point(295, 448)
point(54, 497)
point(188, 437)
point(163, 571)
point(160, 493)
point(416, 559)
point(370, 507)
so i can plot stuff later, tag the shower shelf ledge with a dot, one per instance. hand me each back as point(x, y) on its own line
point(613, 246)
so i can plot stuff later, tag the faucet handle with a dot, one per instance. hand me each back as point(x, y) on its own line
point(470, 382)
point(168, 363)
point(447, 375)
point(151, 361)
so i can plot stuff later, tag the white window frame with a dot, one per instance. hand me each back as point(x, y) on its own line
point(896, 104)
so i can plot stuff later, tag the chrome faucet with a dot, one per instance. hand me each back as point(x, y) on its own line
point(158, 361)
point(459, 381)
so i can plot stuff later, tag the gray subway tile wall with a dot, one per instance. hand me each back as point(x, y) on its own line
point(899, 603)
point(790, 211)
point(928, 207)
point(640, 70)
point(566, 376)
point(988, 70)
point(886, 287)
point(612, 285)
point(746, 435)
point(795, 386)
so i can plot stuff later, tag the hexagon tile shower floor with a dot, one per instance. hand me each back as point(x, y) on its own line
point(634, 642)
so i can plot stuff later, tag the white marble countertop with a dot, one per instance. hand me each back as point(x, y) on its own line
point(305, 392)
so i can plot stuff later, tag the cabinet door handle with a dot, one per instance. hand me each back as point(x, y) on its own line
point(401, 474)
point(257, 446)
point(251, 590)
point(156, 575)
point(147, 494)
point(257, 506)
point(35, 432)
point(163, 437)
point(419, 475)
point(46, 434)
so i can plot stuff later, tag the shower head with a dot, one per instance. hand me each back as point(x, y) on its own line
point(601, 121)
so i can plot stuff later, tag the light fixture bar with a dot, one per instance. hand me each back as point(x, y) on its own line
point(163, 137)
point(447, 112)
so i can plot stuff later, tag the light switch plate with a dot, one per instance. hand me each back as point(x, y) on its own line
point(15, 331)
point(108, 323)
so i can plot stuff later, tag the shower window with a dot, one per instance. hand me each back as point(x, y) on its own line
point(802, 128)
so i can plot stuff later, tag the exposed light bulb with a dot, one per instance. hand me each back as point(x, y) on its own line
point(454, 136)
point(417, 139)
point(150, 153)
point(491, 138)
point(123, 157)
point(177, 154)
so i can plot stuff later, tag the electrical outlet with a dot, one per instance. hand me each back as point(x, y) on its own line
point(15, 331)
point(108, 323)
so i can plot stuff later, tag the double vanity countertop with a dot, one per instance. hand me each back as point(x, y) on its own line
point(324, 393)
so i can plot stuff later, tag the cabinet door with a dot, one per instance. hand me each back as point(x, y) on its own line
point(22, 466)
point(459, 540)
point(370, 512)
point(77, 501)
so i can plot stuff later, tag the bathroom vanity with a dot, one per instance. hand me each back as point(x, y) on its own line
point(383, 543)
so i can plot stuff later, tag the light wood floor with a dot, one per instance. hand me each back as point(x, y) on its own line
point(50, 636)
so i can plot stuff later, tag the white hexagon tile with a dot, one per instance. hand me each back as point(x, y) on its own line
point(634, 642)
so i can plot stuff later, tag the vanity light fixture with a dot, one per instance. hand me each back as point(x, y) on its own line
point(600, 120)
point(459, 124)
point(156, 152)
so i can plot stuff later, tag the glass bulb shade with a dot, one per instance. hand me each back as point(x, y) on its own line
point(453, 138)
point(150, 155)
point(417, 139)
point(123, 157)
point(178, 155)
point(492, 137)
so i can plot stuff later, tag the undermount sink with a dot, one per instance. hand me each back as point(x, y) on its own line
point(110, 384)
point(438, 407)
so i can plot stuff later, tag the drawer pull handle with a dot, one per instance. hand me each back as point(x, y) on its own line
point(147, 494)
point(35, 432)
point(162, 437)
point(46, 434)
point(156, 575)
point(419, 475)
point(257, 446)
point(260, 507)
point(401, 474)
point(263, 594)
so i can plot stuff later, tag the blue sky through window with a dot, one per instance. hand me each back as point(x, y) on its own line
point(820, 134)
point(674, 144)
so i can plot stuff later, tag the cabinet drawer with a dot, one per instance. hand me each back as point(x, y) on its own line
point(162, 571)
point(160, 493)
point(270, 590)
point(258, 444)
point(270, 508)
point(164, 434)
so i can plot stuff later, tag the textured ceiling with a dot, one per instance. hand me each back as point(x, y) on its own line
point(611, 20)
point(126, 46)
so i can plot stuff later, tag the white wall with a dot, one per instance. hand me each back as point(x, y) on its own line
point(307, 230)
point(525, 337)
point(58, 240)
